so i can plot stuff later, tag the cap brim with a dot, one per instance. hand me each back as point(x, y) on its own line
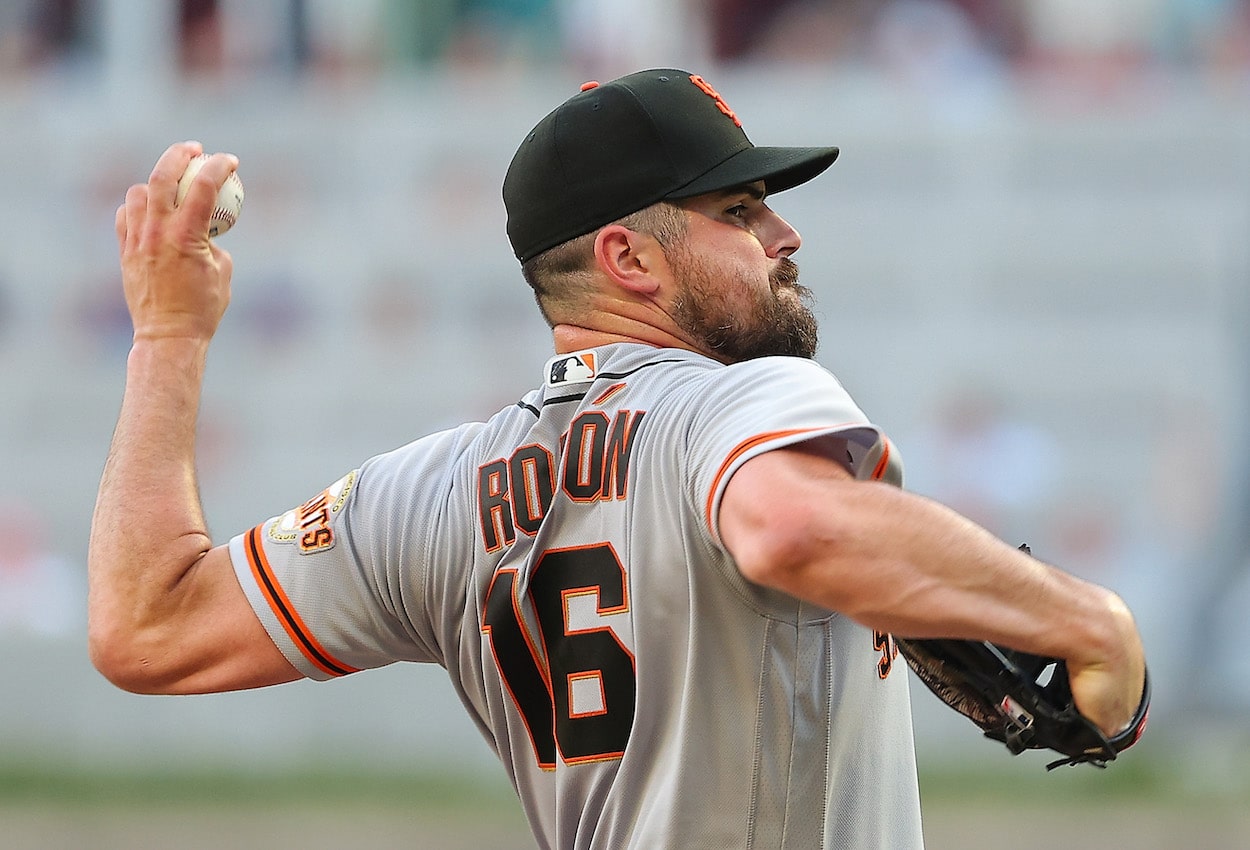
point(779, 168)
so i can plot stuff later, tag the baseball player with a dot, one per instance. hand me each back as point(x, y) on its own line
point(664, 581)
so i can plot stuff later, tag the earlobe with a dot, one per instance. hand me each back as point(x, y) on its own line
point(629, 258)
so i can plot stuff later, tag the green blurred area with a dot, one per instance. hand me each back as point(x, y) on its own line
point(1129, 779)
point(35, 784)
point(1143, 803)
point(45, 807)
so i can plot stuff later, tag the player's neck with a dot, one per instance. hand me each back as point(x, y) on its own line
point(573, 338)
point(569, 338)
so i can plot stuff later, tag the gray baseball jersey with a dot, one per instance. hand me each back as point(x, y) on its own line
point(562, 561)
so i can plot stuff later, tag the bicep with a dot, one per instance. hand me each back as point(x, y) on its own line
point(222, 645)
point(779, 505)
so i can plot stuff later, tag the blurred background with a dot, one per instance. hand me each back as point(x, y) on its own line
point(1030, 263)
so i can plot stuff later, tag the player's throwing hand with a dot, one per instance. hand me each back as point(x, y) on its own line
point(176, 280)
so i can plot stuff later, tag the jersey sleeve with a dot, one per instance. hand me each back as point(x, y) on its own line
point(340, 582)
point(773, 402)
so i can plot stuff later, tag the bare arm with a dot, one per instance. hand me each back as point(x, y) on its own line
point(166, 612)
point(796, 520)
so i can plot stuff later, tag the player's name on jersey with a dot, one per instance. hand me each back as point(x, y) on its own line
point(590, 464)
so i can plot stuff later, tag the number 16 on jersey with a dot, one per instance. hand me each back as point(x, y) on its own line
point(557, 699)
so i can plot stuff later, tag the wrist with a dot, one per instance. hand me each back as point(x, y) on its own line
point(173, 331)
point(187, 354)
point(168, 342)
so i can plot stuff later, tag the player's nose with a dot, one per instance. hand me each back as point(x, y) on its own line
point(778, 237)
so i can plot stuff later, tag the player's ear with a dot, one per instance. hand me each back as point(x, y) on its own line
point(633, 260)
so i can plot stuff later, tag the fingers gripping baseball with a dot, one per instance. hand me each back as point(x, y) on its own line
point(176, 279)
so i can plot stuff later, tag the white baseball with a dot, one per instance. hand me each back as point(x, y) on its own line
point(229, 199)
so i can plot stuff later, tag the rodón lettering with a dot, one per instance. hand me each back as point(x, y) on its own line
point(517, 491)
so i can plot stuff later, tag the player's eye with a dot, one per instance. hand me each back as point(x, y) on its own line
point(737, 211)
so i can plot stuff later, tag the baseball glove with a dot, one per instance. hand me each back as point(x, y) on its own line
point(1024, 701)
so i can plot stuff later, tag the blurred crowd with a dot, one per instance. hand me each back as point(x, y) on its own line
point(976, 447)
point(963, 37)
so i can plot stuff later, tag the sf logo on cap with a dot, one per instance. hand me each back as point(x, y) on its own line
point(707, 89)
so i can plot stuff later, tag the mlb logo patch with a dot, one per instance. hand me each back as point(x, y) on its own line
point(575, 368)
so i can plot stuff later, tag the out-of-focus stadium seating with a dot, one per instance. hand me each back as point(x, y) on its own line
point(1055, 227)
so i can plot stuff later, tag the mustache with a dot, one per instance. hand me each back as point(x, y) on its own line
point(785, 274)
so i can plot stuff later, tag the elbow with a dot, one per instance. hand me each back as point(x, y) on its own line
point(137, 609)
point(109, 658)
point(118, 659)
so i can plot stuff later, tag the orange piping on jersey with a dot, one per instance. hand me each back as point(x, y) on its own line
point(880, 468)
point(609, 392)
point(741, 449)
point(747, 445)
point(285, 611)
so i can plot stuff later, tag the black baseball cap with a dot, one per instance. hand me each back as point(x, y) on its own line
point(618, 147)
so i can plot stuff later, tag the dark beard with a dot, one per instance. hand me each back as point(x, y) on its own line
point(780, 326)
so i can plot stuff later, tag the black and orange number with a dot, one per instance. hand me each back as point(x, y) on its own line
point(542, 692)
point(884, 643)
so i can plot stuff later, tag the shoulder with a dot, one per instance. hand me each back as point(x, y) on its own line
point(789, 368)
point(424, 470)
point(769, 379)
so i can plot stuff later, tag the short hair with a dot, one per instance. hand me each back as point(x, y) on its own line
point(560, 276)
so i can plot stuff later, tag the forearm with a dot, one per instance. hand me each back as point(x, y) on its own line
point(908, 565)
point(901, 563)
point(924, 571)
point(148, 531)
